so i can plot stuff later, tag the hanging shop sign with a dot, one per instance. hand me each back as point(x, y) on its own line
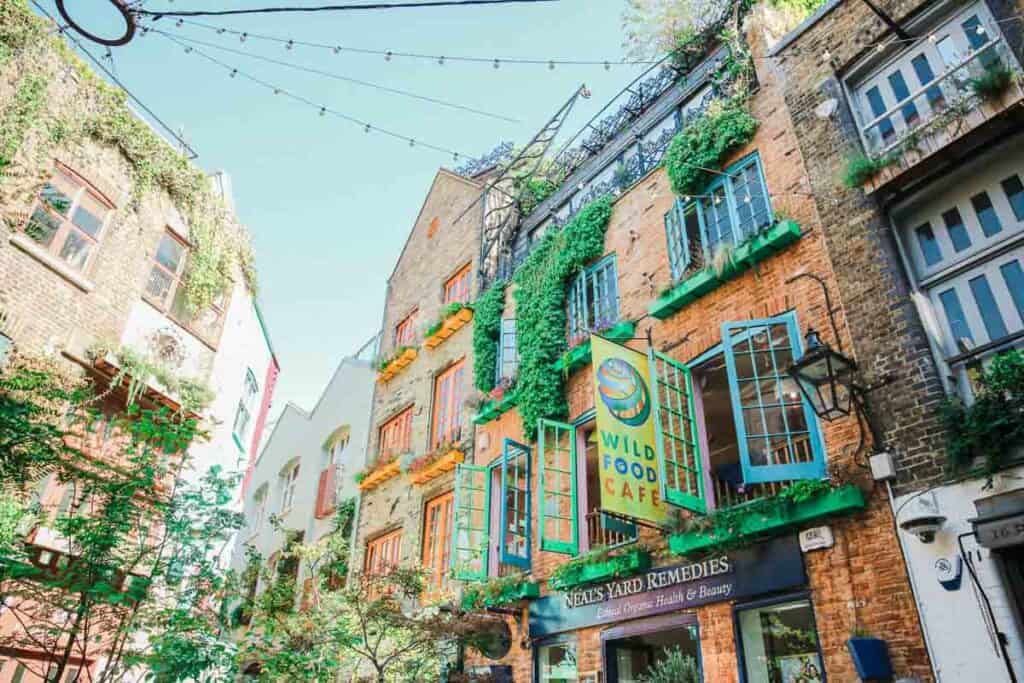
point(762, 568)
point(627, 455)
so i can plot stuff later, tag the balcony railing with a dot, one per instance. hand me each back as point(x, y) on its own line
point(967, 365)
point(609, 531)
point(731, 490)
point(938, 103)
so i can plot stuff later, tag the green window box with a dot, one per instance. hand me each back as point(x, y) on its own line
point(492, 410)
point(613, 567)
point(473, 597)
point(579, 356)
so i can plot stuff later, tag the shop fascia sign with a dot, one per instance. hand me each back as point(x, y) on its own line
point(655, 580)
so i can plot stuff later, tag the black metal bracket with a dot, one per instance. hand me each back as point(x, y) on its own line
point(121, 7)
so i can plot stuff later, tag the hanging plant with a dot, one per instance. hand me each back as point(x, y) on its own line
point(861, 168)
point(705, 143)
point(140, 370)
point(487, 334)
point(540, 310)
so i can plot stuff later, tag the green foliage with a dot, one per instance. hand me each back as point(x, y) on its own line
point(861, 168)
point(140, 369)
point(993, 82)
point(487, 334)
point(803, 7)
point(991, 428)
point(478, 595)
point(540, 310)
point(19, 116)
point(448, 311)
point(673, 667)
point(534, 191)
point(705, 143)
point(599, 555)
point(383, 363)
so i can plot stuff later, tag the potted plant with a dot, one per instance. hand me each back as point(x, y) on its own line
point(870, 655)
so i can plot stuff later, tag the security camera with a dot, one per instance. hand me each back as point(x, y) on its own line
point(924, 526)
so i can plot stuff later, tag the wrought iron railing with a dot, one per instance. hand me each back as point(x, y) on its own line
point(609, 531)
point(936, 103)
point(730, 492)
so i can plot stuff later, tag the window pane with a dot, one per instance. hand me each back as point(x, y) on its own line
point(42, 226)
point(1014, 277)
point(780, 643)
point(751, 205)
point(901, 92)
point(925, 75)
point(89, 215)
point(975, 32)
point(159, 284)
point(1015, 194)
point(957, 232)
point(990, 224)
point(170, 253)
point(76, 249)
point(877, 105)
point(716, 220)
point(55, 199)
point(557, 663)
point(929, 245)
point(955, 317)
point(986, 302)
point(947, 50)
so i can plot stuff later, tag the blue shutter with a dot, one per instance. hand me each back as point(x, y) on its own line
point(678, 241)
point(514, 537)
point(776, 428)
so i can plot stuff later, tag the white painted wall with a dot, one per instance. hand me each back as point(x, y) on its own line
point(961, 641)
point(300, 435)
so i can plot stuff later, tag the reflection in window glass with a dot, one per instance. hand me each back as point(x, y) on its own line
point(557, 663)
point(987, 306)
point(957, 232)
point(780, 644)
point(929, 245)
point(956, 319)
point(990, 224)
point(1015, 195)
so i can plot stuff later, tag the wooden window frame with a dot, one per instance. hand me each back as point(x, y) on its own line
point(383, 553)
point(67, 225)
point(446, 415)
point(389, 447)
point(405, 332)
point(166, 305)
point(437, 542)
point(457, 287)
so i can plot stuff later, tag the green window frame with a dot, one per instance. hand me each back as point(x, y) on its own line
point(680, 461)
point(559, 508)
point(514, 528)
point(680, 256)
point(471, 522)
point(593, 300)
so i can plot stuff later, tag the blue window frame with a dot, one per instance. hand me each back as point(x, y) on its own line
point(986, 302)
point(1013, 275)
point(986, 213)
point(734, 207)
point(777, 431)
point(957, 232)
point(1015, 195)
point(593, 300)
point(930, 249)
point(471, 522)
point(515, 505)
point(508, 355)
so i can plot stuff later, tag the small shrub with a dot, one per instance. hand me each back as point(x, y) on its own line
point(705, 143)
point(862, 168)
point(673, 667)
point(993, 83)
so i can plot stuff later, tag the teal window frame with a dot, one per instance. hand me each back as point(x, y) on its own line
point(559, 544)
point(679, 256)
point(738, 232)
point(477, 538)
point(515, 468)
point(681, 463)
point(596, 286)
point(758, 474)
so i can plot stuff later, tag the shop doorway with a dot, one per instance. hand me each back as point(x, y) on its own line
point(671, 644)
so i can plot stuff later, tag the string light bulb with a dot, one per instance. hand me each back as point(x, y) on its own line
point(440, 60)
point(323, 110)
point(221, 31)
point(412, 143)
point(277, 91)
point(607, 66)
point(551, 65)
point(242, 37)
point(387, 56)
point(188, 50)
point(366, 129)
point(179, 23)
point(234, 72)
point(337, 49)
point(497, 63)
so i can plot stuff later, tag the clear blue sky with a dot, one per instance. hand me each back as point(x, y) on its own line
point(329, 206)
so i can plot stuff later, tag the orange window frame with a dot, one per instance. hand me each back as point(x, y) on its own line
point(447, 414)
point(383, 554)
point(437, 534)
point(456, 288)
point(396, 435)
point(404, 333)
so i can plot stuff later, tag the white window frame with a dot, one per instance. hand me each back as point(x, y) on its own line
point(246, 404)
point(289, 482)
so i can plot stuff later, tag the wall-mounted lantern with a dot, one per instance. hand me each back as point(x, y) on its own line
point(825, 378)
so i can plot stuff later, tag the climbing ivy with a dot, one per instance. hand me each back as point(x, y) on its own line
point(139, 369)
point(705, 143)
point(19, 116)
point(486, 335)
point(540, 310)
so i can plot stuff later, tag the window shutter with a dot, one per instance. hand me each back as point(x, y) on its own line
point(776, 428)
point(515, 505)
point(559, 525)
point(678, 241)
point(680, 465)
point(471, 523)
point(325, 493)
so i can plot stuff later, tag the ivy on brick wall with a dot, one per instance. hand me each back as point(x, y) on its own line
point(486, 335)
point(705, 143)
point(540, 310)
point(220, 245)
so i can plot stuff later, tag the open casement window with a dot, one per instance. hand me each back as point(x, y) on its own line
point(734, 207)
point(559, 524)
point(437, 533)
point(682, 232)
point(680, 463)
point(471, 523)
point(515, 539)
point(776, 428)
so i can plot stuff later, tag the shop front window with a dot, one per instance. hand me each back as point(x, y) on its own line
point(556, 663)
point(662, 649)
point(780, 644)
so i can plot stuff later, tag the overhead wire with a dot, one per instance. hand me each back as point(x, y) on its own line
point(323, 109)
point(340, 77)
point(335, 8)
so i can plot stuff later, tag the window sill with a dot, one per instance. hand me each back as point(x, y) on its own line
point(28, 245)
point(745, 256)
point(840, 501)
point(492, 410)
point(579, 356)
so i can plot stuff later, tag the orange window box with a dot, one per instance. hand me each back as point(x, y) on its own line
point(450, 326)
point(397, 364)
point(445, 463)
point(379, 475)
